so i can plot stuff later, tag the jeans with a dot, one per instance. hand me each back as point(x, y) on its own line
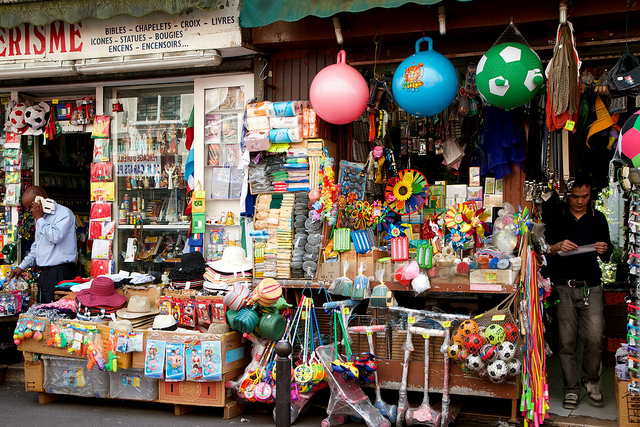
point(574, 317)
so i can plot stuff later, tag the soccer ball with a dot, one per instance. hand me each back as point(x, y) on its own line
point(506, 350)
point(458, 336)
point(509, 75)
point(488, 353)
point(511, 331)
point(494, 334)
point(498, 371)
point(514, 367)
point(473, 342)
point(474, 363)
point(454, 350)
point(469, 327)
point(629, 142)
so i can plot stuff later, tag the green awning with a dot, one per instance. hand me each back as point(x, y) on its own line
point(72, 11)
point(258, 13)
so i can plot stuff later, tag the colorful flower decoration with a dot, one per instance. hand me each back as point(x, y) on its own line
point(342, 202)
point(406, 193)
point(329, 191)
point(458, 218)
point(352, 198)
point(522, 220)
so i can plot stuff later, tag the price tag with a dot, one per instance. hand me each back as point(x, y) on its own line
point(54, 101)
point(569, 125)
point(345, 310)
point(426, 336)
point(497, 317)
point(411, 320)
point(446, 324)
point(304, 315)
point(368, 333)
point(4, 99)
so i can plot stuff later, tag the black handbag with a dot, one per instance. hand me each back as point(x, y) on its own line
point(624, 77)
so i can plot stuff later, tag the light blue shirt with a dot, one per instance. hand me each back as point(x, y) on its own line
point(55, 242)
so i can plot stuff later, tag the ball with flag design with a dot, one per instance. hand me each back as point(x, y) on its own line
point(630, 140)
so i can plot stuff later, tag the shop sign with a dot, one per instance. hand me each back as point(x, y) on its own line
point(139, 165)
point(123, 35)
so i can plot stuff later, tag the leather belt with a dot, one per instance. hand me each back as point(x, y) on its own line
point(592, 283)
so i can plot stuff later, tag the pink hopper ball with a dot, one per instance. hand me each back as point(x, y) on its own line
point(339, 93)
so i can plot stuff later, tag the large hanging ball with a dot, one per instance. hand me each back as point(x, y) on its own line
point(425, 83)
point(630, 140)
point(509, 75)
point(339, 93)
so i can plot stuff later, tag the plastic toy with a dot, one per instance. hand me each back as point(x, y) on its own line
point(112, 364)
point(339, 93)
point(426, 82)
point(94, 355)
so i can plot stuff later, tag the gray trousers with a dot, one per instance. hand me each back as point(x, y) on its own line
point(574, 317)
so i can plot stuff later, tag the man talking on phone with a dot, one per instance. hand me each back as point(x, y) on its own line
point(55, 247)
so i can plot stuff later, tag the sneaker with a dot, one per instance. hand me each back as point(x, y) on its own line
point(570, 401)
point(593, 393)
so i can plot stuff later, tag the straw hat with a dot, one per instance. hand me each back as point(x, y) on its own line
point(138, 306)
point(121, 325)
point(233, 260)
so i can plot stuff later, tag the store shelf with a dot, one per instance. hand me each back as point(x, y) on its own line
point(156, 227)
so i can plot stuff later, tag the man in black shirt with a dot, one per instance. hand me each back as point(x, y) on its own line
point(577, 279)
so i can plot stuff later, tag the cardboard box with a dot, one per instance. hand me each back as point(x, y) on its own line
point(352, 258)
point(328, 271)
point(234, 351)
point(152, 292)
point(197, 393)
point(41, 347)
point(137, 358)
point(503, 277)
point(369, 261)
point(33, 375)
point(628, 405)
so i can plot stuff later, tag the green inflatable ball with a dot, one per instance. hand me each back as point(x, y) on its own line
point(509, 75)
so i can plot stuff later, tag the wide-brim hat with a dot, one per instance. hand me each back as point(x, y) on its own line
point(164, 322)
point(121, 325)
point(234, 259)
point(138, 306)
point(192, 267)
point(101, 294)
point(603, 120)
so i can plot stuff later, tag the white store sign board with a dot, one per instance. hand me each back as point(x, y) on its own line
point(123, 35)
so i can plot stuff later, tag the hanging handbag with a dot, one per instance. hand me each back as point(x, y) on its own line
point(624, 77)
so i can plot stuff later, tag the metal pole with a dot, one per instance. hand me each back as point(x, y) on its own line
point(283, 384)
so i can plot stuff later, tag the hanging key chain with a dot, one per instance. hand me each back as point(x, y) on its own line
point(587, 291)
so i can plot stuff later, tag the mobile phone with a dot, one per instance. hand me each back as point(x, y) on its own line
point(48, 205)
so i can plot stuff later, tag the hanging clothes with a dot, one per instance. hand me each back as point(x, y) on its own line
point(502, 143)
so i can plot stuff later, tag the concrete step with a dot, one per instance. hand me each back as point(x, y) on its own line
point(14, 373)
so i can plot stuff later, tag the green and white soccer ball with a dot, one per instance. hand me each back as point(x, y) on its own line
point(509, 75)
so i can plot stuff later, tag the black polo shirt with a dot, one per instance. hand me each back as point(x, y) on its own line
point(592, 227)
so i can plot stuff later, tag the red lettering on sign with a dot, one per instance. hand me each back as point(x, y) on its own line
point(27, 39)
point(14, 41)
point(73, 33)
point(38, 32)
point(4, 51)
point(57, 38)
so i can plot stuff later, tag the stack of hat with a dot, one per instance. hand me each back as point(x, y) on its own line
point(191, 272)
point(139, 312)
point(100, 300)
point(233, 267)
point(300, 212)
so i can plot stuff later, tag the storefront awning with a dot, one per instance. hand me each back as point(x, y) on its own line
point(258, 13)
point(72, 11)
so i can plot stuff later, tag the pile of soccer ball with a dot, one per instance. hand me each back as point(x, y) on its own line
point(489, 352)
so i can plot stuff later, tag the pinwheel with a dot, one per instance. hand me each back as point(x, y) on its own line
point(406, 193)
point(457, 239)
point(522, 220)
point(458, 218)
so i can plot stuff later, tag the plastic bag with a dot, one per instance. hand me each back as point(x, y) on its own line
point(421, 284)
point(338, 285)
point(360, 289)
